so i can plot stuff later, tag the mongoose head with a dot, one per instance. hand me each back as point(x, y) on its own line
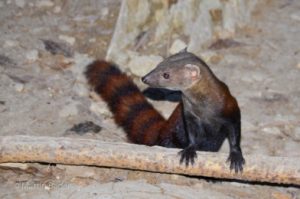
point(177, 72)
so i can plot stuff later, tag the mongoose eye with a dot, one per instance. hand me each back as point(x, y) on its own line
point(166, 75)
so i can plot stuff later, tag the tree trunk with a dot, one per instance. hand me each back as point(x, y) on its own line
point(61, 150)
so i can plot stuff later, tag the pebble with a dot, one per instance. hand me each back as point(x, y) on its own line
point(32, 55)
point(10, 43)
point(20, 3)
point(68, 39)
point(92, 40)
point(295, 17)
point(272, 130)
point(47, 188)
point(177, 46)
point(19, 87)
point(215, 59)
point(104, 12)
point(57, 9)
point(99, 108)
point(298, 65)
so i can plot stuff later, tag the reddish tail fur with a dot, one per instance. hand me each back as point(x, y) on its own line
point(131, 110)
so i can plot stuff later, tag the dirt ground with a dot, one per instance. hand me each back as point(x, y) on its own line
point(43, 93)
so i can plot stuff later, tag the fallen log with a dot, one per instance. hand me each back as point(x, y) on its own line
point(62, 150)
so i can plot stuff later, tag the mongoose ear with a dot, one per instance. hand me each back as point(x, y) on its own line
point(183, 50)
point(193, 71)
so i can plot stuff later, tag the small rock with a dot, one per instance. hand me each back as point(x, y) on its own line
point(10, 43)
point(141, 65)
point(99, 108)
point(32, 55)
point(215, 59)
point(104, 11)
point(68, 39)
point(57, 9)
point(295, 17)
point(92, 40)
point(298, 65)
point(20, 3)
point(69, 110)
point(85, 127)
point(58, 48)
point(19, 87)
point(272, 130)
point(82, 182)
point(177, 46)
point(44, 3)
point(47, 187)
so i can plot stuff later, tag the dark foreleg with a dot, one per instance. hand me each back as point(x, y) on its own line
point(235, 157)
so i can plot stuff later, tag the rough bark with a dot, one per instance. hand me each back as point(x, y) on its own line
point(61, 150)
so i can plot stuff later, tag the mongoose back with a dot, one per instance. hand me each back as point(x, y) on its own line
point(206, 115)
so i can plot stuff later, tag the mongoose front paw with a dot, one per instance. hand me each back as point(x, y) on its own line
point(188, 155)
point(236, 161)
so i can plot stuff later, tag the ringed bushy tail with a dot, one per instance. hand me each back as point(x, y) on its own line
point(131, 110)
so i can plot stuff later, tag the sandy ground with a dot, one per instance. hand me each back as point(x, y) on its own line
point(43, 92)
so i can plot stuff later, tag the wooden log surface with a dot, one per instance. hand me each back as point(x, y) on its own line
point(73, 151)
